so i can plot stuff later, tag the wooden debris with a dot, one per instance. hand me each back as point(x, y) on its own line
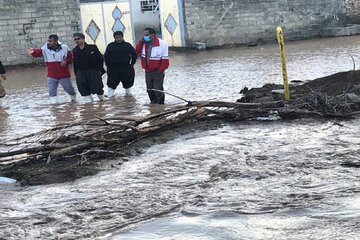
point(103, 137)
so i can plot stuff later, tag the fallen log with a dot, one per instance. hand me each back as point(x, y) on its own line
point(29, 150)
point(70, 150)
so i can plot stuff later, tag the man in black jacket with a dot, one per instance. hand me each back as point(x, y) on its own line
point(3, 77)
point(88, 68)
point(120, 58)
point(2, 71)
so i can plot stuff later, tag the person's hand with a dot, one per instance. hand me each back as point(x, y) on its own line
point(30, 51)
point(3, 76)
point(63, 64)
point(141, 39)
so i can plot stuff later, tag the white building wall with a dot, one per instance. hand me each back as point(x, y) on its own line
point(172, 10)
point(101, 14)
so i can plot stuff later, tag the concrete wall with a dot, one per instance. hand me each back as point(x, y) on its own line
point(219, 22)
point(353, 11)
point(28, 23)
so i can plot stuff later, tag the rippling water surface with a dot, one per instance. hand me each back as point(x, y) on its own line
point(247, 180)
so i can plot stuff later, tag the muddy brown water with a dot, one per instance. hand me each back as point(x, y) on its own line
point(247, 180)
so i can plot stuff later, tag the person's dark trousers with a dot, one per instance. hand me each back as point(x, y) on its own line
point(155, 80)
point(89, 82)
point(125, 75)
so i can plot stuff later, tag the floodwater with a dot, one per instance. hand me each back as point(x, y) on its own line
point(245, 180)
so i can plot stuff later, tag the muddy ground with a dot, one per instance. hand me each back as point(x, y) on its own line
point(333, 85)
point(337, 93)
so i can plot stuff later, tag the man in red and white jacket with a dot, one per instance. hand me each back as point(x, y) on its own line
point(154, 54)
point(57, 58)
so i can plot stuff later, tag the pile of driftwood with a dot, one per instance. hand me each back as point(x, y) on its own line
point(108, 137)
point(101, 138)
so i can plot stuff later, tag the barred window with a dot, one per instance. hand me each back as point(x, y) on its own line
point(149, 5)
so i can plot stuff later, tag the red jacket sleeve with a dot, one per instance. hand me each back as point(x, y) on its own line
point(138, 48)
point(37, 52)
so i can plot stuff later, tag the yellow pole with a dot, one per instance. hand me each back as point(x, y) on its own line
point(280, 38)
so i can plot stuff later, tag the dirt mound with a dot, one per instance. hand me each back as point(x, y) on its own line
point(337, 95)
point(335, 85)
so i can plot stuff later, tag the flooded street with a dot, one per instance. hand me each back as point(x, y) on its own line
point(245, 180)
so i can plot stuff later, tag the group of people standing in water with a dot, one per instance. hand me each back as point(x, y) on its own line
point(88, 62)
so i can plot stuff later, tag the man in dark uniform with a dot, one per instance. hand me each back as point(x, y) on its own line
point(120, 58)
point(2, 71)
point(88, 68)
point(3, 77)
